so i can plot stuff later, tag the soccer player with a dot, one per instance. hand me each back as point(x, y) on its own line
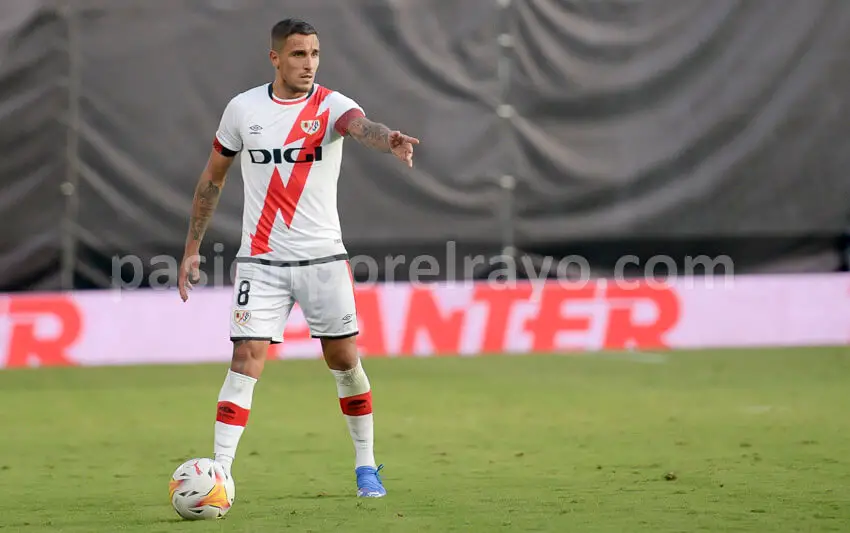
point(290, 134)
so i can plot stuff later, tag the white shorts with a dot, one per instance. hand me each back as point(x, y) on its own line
point(263, 296)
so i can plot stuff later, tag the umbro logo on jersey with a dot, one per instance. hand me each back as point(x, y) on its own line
point(311, 126)
point(255, 129)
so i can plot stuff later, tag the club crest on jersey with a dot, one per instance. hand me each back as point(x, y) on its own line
point(241, 317)
point(310, 127)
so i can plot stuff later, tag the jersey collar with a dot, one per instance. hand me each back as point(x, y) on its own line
point(294, 101)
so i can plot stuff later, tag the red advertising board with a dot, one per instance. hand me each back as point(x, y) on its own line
point(148, 326)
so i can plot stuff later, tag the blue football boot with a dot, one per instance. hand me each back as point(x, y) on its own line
point(369, 483)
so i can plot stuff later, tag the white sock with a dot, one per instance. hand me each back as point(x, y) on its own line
point(355, 399)
point(234, 406)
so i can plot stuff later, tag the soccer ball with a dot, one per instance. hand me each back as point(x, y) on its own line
point(201, 489)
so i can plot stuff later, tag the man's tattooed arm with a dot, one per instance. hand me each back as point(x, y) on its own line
point(370, 134)
point(206, 199)
point(204, 202)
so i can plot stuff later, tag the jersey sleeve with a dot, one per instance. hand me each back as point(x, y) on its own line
point(228, 140)
point(342, 111)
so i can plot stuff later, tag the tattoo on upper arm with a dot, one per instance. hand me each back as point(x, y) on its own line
point(370, 134)
point(207, 195)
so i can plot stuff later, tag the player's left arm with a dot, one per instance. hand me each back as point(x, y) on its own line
point(381, 138)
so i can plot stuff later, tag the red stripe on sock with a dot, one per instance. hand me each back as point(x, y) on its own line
point(357, 405)
point(231, 414)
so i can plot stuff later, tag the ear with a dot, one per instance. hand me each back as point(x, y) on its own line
point(274, 58)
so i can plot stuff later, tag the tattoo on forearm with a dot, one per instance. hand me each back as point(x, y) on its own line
point(371, 135)
point(206, 200)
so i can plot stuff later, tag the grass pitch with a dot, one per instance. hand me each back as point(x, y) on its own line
point(699, 441)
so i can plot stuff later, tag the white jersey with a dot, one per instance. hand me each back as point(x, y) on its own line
point(291, 157)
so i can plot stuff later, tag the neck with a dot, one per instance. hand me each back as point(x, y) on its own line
point(284, 92)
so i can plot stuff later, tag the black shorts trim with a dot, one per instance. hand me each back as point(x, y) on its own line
point(303, 262)
point(269, 339)
point(336, 337)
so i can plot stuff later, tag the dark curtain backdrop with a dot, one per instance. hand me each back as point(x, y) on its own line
point(678, 127)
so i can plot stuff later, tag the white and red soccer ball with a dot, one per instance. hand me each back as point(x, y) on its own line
point(201, 489)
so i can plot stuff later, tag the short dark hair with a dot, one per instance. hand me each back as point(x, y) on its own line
point(283, 29)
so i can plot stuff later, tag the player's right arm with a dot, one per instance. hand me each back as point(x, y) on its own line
point(227, 144)
point(204, 203)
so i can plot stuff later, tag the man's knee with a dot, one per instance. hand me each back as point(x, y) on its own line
point(340, 354)
point(249, 357)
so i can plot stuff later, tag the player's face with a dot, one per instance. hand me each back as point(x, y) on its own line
point(298, 61)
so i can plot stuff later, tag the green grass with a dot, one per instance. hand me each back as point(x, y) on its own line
point(754, 441)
